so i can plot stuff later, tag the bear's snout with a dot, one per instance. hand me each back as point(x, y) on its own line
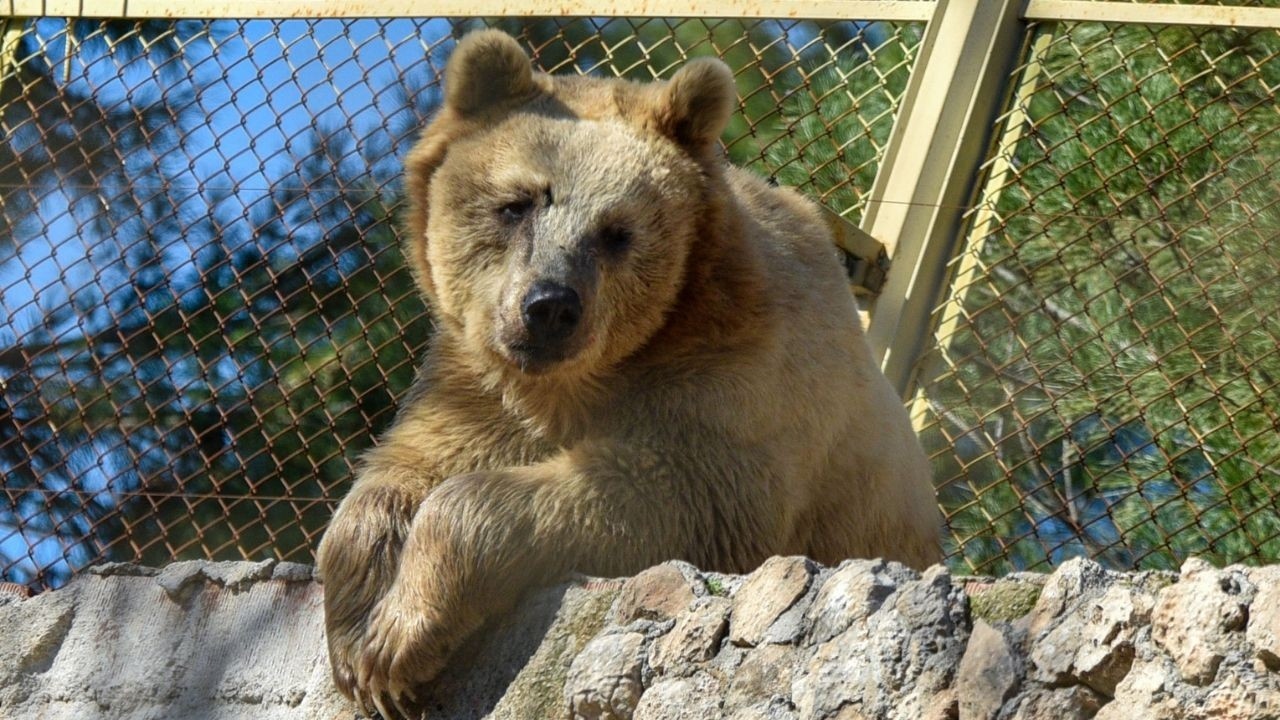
point(551, 312)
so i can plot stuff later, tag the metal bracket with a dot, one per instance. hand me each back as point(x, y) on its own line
point(866, 260)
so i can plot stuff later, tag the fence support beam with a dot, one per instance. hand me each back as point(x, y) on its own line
point(966, 271)
point(1153, 14)
point(892, 10)
point(928, 175)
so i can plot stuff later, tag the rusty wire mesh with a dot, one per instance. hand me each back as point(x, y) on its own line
point(1105, 379)
point(206, 317)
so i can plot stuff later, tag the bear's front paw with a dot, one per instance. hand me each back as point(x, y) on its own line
point(402, 651)
point(342, 661)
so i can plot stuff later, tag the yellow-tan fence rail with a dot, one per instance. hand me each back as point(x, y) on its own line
point(207, 319)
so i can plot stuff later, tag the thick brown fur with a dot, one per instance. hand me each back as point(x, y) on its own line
point(718, 405)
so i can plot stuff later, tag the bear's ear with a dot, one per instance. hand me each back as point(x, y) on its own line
point(695, 105)
point(421, 164)
point(487, 68)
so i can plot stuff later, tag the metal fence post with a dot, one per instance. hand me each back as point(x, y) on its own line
point(929, 173)
point(10, 35)
point(950, 317)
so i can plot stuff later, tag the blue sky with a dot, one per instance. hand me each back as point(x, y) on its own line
point(263, 87)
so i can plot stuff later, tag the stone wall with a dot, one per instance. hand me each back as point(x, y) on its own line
point(793, 640)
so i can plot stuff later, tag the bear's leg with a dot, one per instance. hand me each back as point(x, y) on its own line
point(480, 541)
point(358, 559)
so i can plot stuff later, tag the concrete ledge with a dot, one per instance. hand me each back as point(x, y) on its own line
point(793, 640)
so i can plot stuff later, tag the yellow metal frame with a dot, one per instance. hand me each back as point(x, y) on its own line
point(890, 10)
point(10, 33)
point(950, 316)
point(939, 140)
point(11, 30)
point(1152, 13)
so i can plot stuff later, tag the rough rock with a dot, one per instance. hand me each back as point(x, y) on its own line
point(1094, 644)
point(1239, 697)
point(1074, 582)
point(1107, 646)
point(768, 593)
point(694, 638)
point(764, 676)
point(989, 674)
point(1263, 631)
point(867, 640)
point(659, 593)
point(1200, 619)
point(605, 679)
point(896, 662)
point(1071, 703)
point(777, 709)
point(855, 590)
point(1144, 693)
point(694, 698)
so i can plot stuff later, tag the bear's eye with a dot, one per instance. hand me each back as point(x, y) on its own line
point(516, 210)
point(615, 240)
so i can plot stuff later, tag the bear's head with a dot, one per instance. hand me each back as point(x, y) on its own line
point(551, 218)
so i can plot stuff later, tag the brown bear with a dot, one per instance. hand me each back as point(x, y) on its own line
point(641, 354)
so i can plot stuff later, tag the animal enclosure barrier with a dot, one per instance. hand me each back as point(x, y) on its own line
point(206, 317)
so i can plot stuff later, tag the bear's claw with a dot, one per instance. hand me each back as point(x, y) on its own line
point(397, 656)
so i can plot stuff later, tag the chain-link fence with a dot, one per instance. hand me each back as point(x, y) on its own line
point(1105, 379)
point(206, 313)
point(207, 318)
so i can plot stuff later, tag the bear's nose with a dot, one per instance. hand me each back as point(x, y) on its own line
point(551, 312)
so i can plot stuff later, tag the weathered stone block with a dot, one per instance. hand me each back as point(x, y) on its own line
point(895, 665)
point(855, 590)
point(694, 639)
point(769, 592)
point(659, 593)
point(605, 679)
point(693, 698)
point(1107, 647)
point(1197, 620)
point(990, 672)
point(1263, 630)
point(764, 675)
point(1073, 703)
